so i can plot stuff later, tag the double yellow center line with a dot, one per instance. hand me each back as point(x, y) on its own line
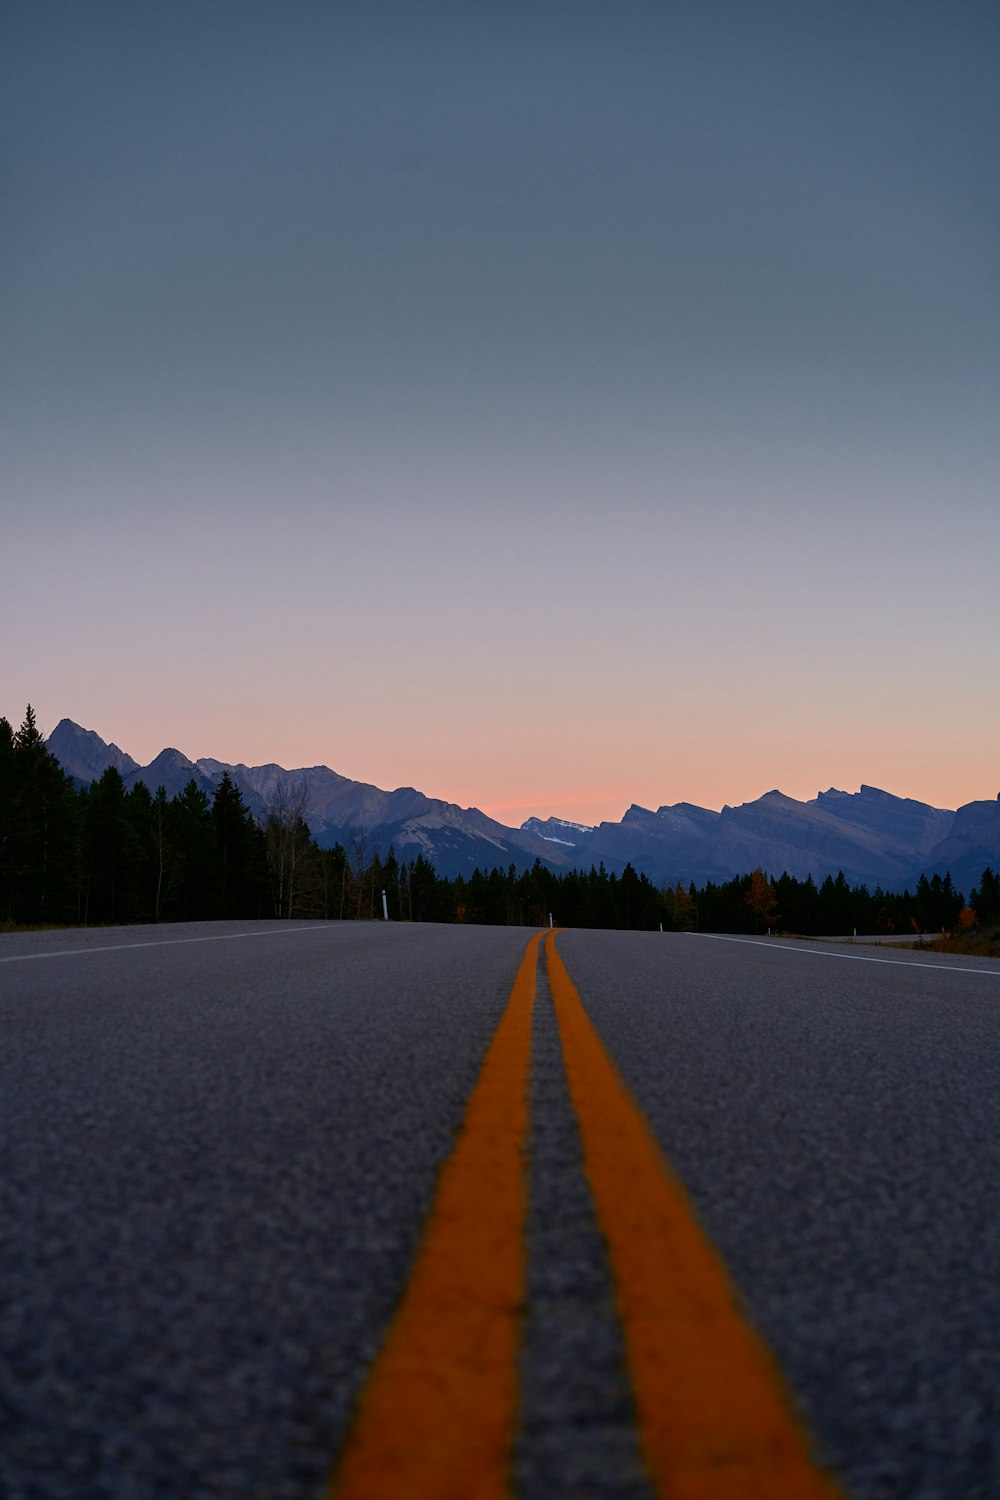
point(438, 1416)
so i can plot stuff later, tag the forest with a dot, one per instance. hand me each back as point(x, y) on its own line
point(73, 855)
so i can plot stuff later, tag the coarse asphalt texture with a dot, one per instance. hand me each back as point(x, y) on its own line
point(221, 1142)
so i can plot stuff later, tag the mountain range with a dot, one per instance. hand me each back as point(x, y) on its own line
point(875, 838)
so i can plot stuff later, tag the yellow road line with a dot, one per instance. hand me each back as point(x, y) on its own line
point(715, 1419)
point(436, 1419)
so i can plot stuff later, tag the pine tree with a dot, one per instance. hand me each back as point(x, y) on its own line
point(423, 889)
point(112, 853)
point(985, 899)
point(39, 823)
point(8, 772)
point(197, 890)
point(236, 850)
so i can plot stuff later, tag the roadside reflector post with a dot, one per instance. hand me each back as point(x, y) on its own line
point(550, 919)
point(385, 908)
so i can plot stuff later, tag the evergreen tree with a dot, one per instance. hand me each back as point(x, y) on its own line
point(238, 874)
point(7, 784)
point(196, 898)
point(111, 853)
point(937, 903)
point(985, 899)
point(37, 826)
point(423, 890)
point(140, 813)
point(602, 900)
point(630, 898)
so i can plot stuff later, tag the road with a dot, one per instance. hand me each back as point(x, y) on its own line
point(255, 1176)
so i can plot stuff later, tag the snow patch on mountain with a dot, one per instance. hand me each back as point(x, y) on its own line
point(556, 830)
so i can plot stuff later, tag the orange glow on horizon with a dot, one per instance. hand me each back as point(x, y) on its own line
point(707, 766)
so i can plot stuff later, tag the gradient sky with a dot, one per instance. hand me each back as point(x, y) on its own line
point(551, 406)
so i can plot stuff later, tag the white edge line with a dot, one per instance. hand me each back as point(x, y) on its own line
point(857, 958)
point(215, 937)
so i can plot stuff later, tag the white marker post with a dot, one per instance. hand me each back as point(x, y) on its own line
point(550, 919)
point(385, 908)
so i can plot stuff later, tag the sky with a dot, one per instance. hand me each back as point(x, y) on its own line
point(550, 406)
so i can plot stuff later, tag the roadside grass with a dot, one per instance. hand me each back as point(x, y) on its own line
point(6, 925)
point(984, 943)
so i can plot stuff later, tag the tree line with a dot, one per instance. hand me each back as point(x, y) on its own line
point(102, 854)
point(751, 903)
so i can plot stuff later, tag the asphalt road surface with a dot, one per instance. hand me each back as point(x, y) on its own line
point(224, 1179)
